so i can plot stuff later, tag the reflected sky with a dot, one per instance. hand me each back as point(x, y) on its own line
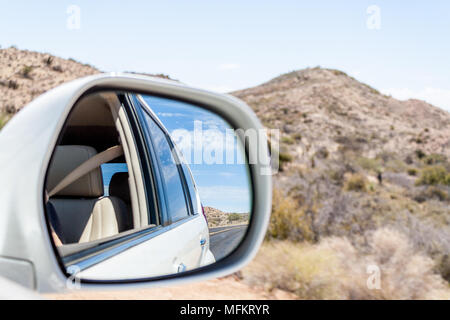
point(222, 185)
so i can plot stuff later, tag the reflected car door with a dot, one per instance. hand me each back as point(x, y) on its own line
point(186, 228)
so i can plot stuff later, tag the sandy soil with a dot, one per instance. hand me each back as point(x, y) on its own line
point(217, 289)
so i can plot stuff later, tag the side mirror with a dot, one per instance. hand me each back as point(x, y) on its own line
point(126, 180)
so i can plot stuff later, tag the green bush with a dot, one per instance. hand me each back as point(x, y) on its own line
point(3, 120)
point(433, 175)
point(285, 157)
point(420, 154)
point(287, 140)
point(412, 171)
point(26, 71)
point(369, 164)
point(418, 140)
point(338, 72)
point(232, 217)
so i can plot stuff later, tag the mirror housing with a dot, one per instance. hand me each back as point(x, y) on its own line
point(28, 141)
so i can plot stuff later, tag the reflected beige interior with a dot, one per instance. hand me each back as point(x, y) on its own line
point(83, 212)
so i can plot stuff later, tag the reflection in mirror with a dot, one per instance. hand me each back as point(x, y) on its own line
point(142, 186)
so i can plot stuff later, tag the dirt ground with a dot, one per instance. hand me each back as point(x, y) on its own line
point(228, 288)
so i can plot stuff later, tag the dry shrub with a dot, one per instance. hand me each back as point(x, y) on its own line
point(396, 165)
point(434, 192)
point(433, 175)
point(336, 269)
point(405, 273)
point(369, 164)
point(303, 269)
point(288, 221)
point(430, 237)
point(357, 182)
point(346, 215)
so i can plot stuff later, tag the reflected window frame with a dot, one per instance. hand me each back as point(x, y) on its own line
point(144, 110)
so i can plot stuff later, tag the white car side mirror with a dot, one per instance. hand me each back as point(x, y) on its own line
point(97, 190)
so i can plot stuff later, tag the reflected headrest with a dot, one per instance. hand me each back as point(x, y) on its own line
point(118, 187)
point(65, 160)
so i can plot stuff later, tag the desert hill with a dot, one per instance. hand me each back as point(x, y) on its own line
point(353, 160)
point(218, 218)
point(330, 109)
point(24, 75)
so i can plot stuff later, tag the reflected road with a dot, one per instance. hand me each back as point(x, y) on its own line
point(223, 240)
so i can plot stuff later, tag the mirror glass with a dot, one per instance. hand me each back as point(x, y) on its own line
point(141, 186)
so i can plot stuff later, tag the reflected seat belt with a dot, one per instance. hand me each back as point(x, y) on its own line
point(87, 166)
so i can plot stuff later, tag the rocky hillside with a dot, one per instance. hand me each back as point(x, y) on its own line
point(330, 109)
point(217, 218)
point(353, 160)
point(25, 75)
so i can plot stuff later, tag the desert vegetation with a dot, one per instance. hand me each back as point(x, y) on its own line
point(366, 184)
point(335, 268)
point(218, 218)
point(360, 210)
point(434, 175)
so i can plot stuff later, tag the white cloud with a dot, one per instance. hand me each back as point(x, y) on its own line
point(436, 96)
point(229, 66)
point(214, 146)
point(170, 114)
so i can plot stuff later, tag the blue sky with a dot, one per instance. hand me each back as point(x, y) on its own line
point(231, 44)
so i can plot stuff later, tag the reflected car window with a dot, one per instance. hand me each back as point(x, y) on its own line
point(172, 182)
point(108, 170)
